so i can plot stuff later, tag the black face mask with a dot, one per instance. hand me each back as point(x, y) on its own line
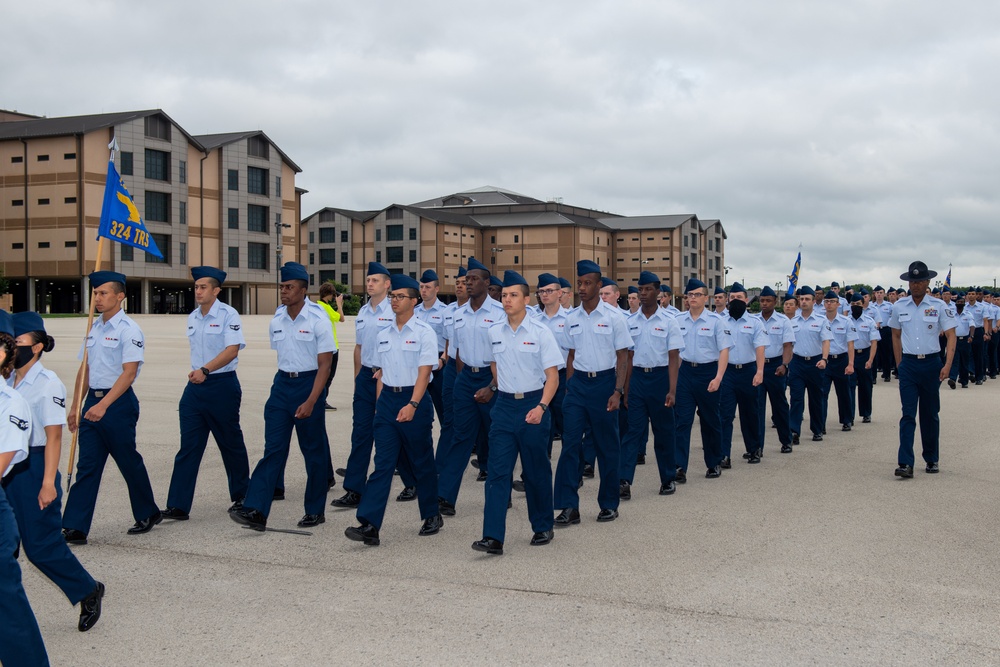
point(960, 306)
point(23, 356)
point(737, 309)
point(857, 311)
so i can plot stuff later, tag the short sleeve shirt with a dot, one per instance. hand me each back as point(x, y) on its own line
point(472, 331)
point(921, 324)
point(369, 322)
point(596, 337)
point(300, 341)
point(653, 338)
point(210, 334)
point(434, 316)
point(15, 425)
point(748, 334)
point(704, 337)
point(810, 332)
point(779, 331)
point(111, 344)
point(402, 351)
point(523, 355)
point(46, 397)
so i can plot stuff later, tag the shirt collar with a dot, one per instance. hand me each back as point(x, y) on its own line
point(113, 323)
point(29, 377)
point(213, 311)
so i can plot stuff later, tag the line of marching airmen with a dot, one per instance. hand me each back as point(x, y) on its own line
point(597, 376)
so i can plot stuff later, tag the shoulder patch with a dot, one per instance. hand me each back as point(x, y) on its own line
point(137, 343)
point(18, 422)
point(60, 401)
point(234, 327)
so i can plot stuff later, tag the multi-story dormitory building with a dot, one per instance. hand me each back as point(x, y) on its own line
point(228, 200)
point(507, 230)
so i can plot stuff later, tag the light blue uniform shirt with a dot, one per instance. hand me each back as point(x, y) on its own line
point(211, 334)
point(920, 325)
point(448, 324)
point(843, 331)
point(46, 397)
point(472, 331)
point(15, 425)
point(963, 324)
point(867, 331)
point(884, 313)
point(748, 334)
point(873, 312)
point(671, 310)
point(523, 355)
point(779, 331)
point(369, 323)
point(299, 341)
point(653, 338)
point(401, 352)
point(704, 338)
point(557, 325)
point(434, 316)
point(977, 310)
point(595, 338)
point(111, 344)
point(810, 332)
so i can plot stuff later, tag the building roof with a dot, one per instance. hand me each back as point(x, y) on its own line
point(535, 219)
point(213, 141)
point(487, 195)
point(647, 221)
point(72, 125)
point(353, 215)
point(434, 214)
point(708, 224)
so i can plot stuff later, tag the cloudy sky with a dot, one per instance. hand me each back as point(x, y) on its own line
point(865, 130)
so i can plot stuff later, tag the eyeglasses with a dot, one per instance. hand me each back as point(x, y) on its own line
point(400, 297)
point(691, 295)
point(545, 292)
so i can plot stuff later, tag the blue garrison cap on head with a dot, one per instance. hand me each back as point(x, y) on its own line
point(511, 278)
point(496, 281)
point(462, 272)
point(294, 271)
point(403, 281)
point(945, 289)
point(585, 266)
point(819, 290)
point(879, 288)
point(565, 283)
point(6, 323)
point(666, 288)
point(546, 279)
point(694, 284)
point(737, 287)
point(935, 291)
point(632, 289)
point(831, 295)
point(608, 282)
point(648, 278)
point(199, 272)
point(718, 290)
point(767, 291)
point(805, 290)
point(788, 297)
point(834, 284)
point(428, 276)
point(864, 292)
point(376, 269)
point(98, 278)
point(475, 264)
point(26, 322)
point(857, 298)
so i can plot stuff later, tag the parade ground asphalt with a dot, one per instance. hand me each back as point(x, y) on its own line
point(819, 557)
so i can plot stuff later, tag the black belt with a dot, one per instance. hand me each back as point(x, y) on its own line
point(836, 356)
point(220, 375)
point(476, 369)
point(773, 359)
point(99, 393)
point(597, 374)
point(806, 358)
point(931, 355)
point(397, 390)
point(521, 395)
point(296, 374)
point(651, 369)
point(740, 366)
point(694, 364)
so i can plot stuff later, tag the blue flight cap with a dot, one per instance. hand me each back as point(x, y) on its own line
point(718, 290)
point(857, 298)
point(429, 276)
point(511, 278)
point(98, 278)
point(879, 288)
point(737, 287)
point(608, 282)
point(496, 281)
point(565, 283)
point(694, 284)
point(476, 264)
point(666, 288)
point(585, 266)
point(375, 269)
point(26, 322)
point(462, 271)
point(805, 290)
point(545, 279)
point(935, 291)
point(632, 289)
point(945, 289)
point(294, 271)
point(788, 297)
point(7, 323)
point(831, 295)
point(864, 292)
point(403, 281)
point(767, 291)
point(834, 284)
point(199, 272)
point(819, 290)
point(648, 278)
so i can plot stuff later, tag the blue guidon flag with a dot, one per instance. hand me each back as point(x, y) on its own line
point(793, 277)
point(120, 220)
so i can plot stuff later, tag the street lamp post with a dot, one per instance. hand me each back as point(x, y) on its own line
point(278, 226)
point(494, 252)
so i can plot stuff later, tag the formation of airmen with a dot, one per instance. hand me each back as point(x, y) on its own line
point(504, 378)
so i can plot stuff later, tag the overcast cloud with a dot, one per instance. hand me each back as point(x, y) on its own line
point(865, 130)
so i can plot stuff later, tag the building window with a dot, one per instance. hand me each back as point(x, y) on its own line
point(257, 255)
point(327, 235)
point(710, 247)
point(69, 156)
point(157, 165)
point(327, 276)
point(163, 243)
point(312, 279)
point(516, 259)
point(394, 214)
point(43, 158)
point(17, 202)
point(257, 146)
point(685, 261)
point(157, 206)
point(128, 253)
point(327, 216)
point(343, 258)
point(378, 236)
point(43, 244)
point(234, 257)
point(312, 237)
point(694, 240)
point(256, 218)
point(413, 255)
point(234, 179)
point(312, 258)
point(277, 187)
point(327, 256)
point(234, 218)
point(70, 200)
point(17, 246)
point(394, 232)
point(257, 181)
point(343, 237)
point(70, 244)
point(516, 238)
point(182, 214)
point(343, 278)
point(182, 171)
point(378, 255)
point(126, 163)
point(413, 233)
point(685, 242)
point(694, 261)
point(44, 201)
point(17, 159)
point(183, 252)
point(394, 254)
point(649, 238)
point(157, 127)
point(493, 239)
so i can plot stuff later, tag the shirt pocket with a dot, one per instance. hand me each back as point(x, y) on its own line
point(305, 334)
point(109, 341)
point(91, 341)
point(529, 347)
point(213, 331)
point(278, 335)
point(658, 332)
point(706, 332)
point(190, 331)
point(360, 324)
point(498, 346)
point(904, 317)
point(602, 328)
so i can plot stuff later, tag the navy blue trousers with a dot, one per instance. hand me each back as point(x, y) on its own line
point(435, 389)
point(510, 436)
point(40, 528)
point(448, 376)
point(960, 362)
point(773, 387)
point(834, 376)
point(391, 439)
point(210, 407)
point(802, 376)
point(693, 394)
point(886, 358)
point(469, 418)
point(861, 384)
point(991, 354)
point(737, 391)
point(979, 353)
point(114, 435)
point(919, 393)
point(646, 395)
point(586, 407)
point(555, 408)
point(287, 394)
point(20, 640)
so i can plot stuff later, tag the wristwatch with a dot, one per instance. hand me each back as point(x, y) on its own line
point(414, 404)
point(544, 407)
point(493, 388)
point(620, 390)
point(204, 370)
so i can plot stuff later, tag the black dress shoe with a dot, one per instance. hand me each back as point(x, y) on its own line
point(885, 379)
point(905, 472)
point(795, 438)
point(607, 515)
point(668, 489)
point(866, 420)
point(279, 494)
point(543, 537)
point(681, 476)
point(408, 493)
point(248, 517)
point(145, 525)
point(474, 463)
point(754, 457)
point(746, 455)
point(366, 533)
point(978, 382)
point(348, 500)
point(74, 536)
point(932, 468)
point(640, 460)
point(341, 472)
point(90, 608)
point(518, 485)
point(175, 514)
point(445, 507)
point(311, 520)
point(489, 545)
point(568, 517)
point(951, 383)
point(331, 483)
point(726, 463)
point(965, 386)
point(329, 407)
point(588, 471)
point(624, 490)
point(432, 525)
point(817, 438)
point(824, 432)
point(714, 472)
point(845, 427)
point(481, 477)
point(238, 505)
point(786, 449)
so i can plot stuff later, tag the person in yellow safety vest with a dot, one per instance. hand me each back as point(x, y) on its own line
point(328, 295)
